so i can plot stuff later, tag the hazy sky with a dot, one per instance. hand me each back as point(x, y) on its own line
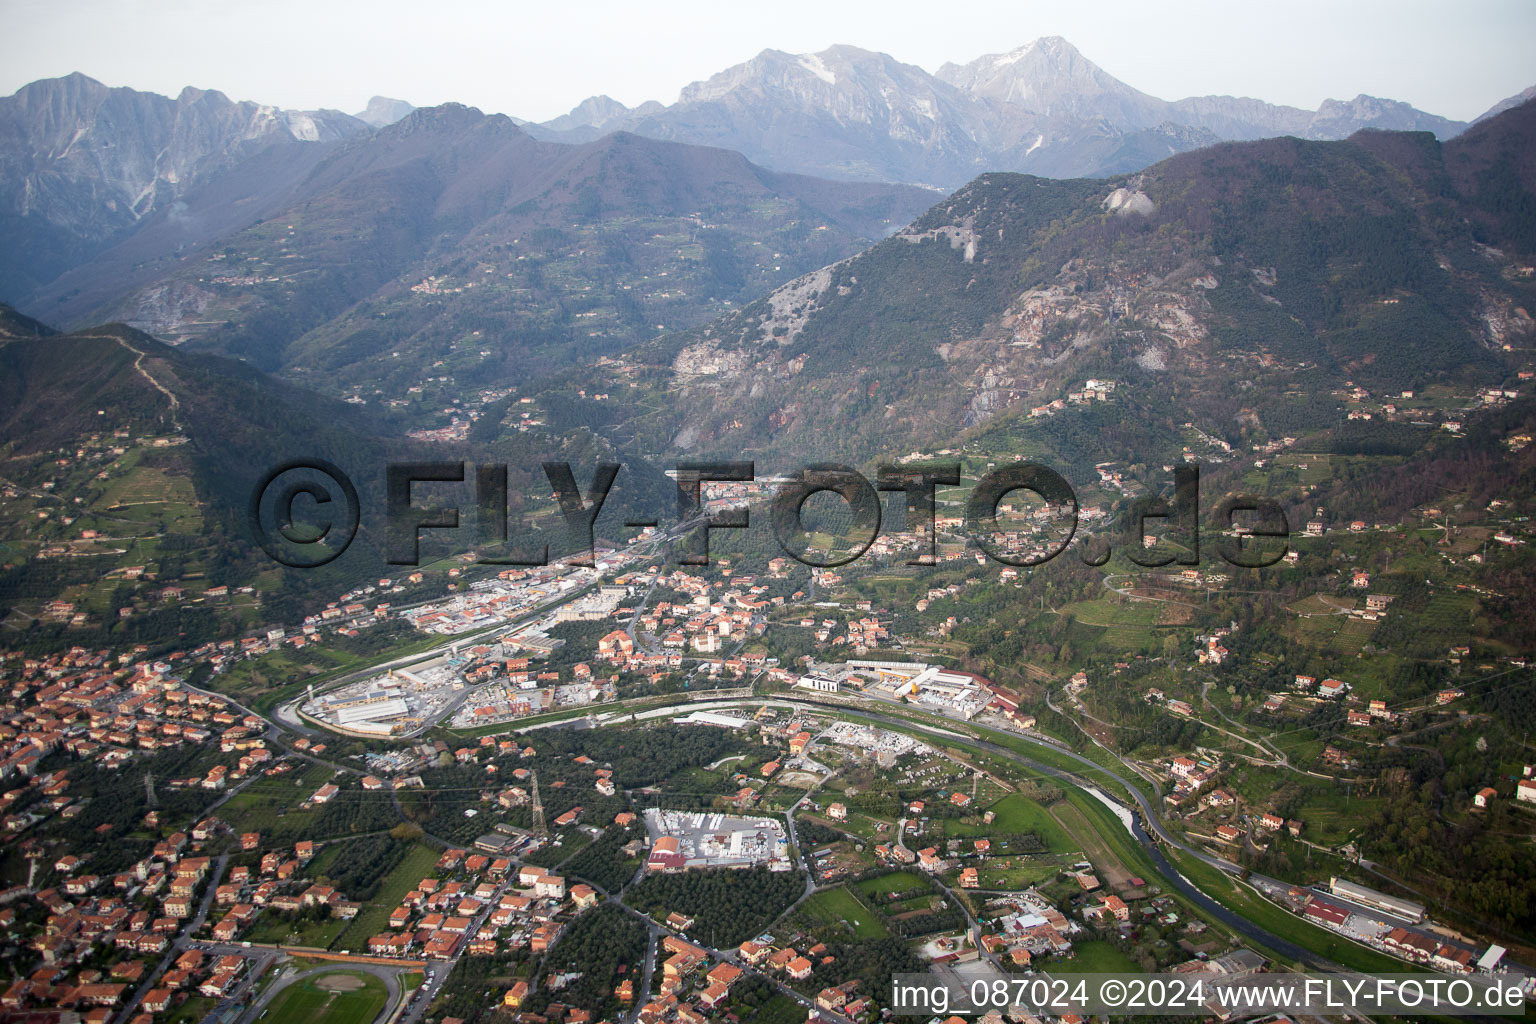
point(537, 61)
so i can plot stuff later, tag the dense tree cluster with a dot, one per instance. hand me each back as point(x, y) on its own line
point(871, 962)
point(814, 833)
point(639, 757)
point(603, 946)
point(602, 862)
point(360, 864)
point(1468, 865)
point(474, 990)
point(728, 905)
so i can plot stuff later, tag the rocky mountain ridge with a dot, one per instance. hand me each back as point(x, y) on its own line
point(82, 163)
point(1043, 108)
point(1234, 289)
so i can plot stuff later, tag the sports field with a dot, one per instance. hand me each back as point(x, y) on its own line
point(334, 997)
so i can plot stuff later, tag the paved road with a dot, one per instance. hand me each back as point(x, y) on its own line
point(229, 794)
point(971, 922)
point(643, 992)
point(394, 796)
point(1138, 826)
point(179, 944)
point(250, 979)
point(794, 846)
point(438, 971)
point(287, 712)
point(635, 618)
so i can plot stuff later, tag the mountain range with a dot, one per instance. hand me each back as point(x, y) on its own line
point(1221, 300)
point(1330, 310)
point(1043, 108)
point(1243, 288)
point(81, 164)
point(464, 285)
point(446, 224)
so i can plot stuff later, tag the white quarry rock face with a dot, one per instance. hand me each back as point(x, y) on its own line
point(1124, 201)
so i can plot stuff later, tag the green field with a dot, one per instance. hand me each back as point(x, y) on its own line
point(1110, 639)
point(257, 807)
point(1113, 835)
point(1117, 625)
point(571, 842)
point(192, 1011)
point(314, 1001)
point(835, 906)
point(1446, 619)
point(993, 875)
point(266, 681)
point(1332, 816)
point(1097, 957)
point(927, 902)
point(896, 881)
point(1015, 813)
point(861, 825)
point(1302, 746)
point(694, 780)
point(778, 1010)
point(270, 927)
point(329, 853)
point(1104, 611)
point(151, 494)
point(1035, 751)
point(1318, 624)
point(1105, 836)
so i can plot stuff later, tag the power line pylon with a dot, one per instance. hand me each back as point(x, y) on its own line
point(539, 828)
